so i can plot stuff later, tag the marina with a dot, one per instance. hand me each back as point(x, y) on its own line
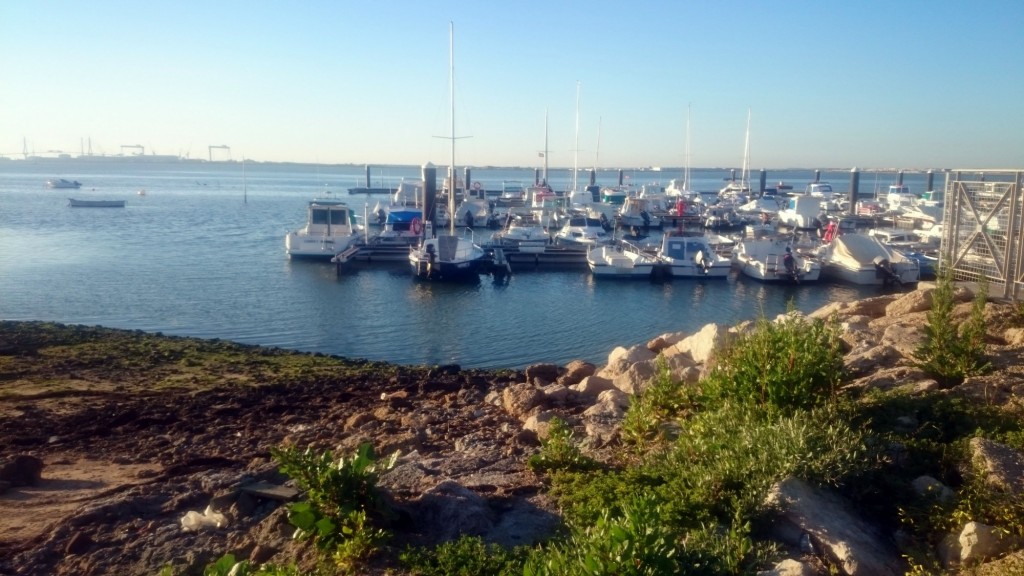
point(203, 254)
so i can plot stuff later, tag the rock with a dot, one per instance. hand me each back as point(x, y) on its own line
point(1014, 336)
point(867, 361)
point(701, 345)
point(904, 338)
point(518, 399)
point(591, 386)
point(449, 510)
point(540, 424)
point(789, 567)
point(846, 539)
point(980, 542)
point(610, 404)
point(1003, 466)
point(545, 372)
point(576, 371)
point(556, 393)
point(78, 544)
point(929, 487)
point(620, 359)
point(948, 551)
point(636, 378)
point(21, 470)
point(918, 300)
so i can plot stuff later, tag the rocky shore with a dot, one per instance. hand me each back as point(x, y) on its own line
point(128, 453)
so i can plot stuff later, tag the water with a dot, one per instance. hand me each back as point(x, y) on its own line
point(202, 254)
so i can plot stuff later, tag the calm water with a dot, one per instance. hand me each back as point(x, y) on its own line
point(202, 254)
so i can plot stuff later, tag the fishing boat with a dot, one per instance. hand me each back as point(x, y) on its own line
point(76, 203)
point(866, 260)
point(689, 256)
point(639, 212)
point(524, 232)
point(62, 183)
point(583, 230)
point(775, 260)
point(620, 260)
point(330, 228)
point(448, 258)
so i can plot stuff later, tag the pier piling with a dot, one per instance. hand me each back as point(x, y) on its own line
point(929, 181)
point(854, 185)
point(429, 172)
point(763, 181)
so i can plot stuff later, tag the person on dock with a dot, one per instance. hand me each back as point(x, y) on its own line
point(469, 219)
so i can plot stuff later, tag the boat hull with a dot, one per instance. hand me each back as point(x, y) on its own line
point(72, 202)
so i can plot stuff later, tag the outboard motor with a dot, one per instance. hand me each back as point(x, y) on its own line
point(885, 271)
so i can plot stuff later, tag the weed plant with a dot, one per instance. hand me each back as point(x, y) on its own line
point(559, 451)
point(467, 556)
point(793, 363)
point(946, 353)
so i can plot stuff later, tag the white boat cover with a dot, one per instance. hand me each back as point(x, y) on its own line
point(861, 250)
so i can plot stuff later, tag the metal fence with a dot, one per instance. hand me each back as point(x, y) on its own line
point(983, 235)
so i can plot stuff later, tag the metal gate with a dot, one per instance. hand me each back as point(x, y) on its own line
point(983, 234)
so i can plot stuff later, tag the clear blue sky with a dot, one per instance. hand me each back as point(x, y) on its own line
point(871, 83)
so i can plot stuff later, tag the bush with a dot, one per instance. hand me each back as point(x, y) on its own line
point(795, 363)
point(947, 354)
point(559, 452)
point(467, 556)
point(648, 420)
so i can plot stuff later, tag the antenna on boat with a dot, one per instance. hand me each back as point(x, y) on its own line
point(452, 179)
point(686, 170)
point(597, 154)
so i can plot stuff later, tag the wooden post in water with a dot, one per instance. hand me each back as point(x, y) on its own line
point(620, 176)
point(367, 175)
point(930, 181)
point(466, 181)
point(429, 173)
point(899, 178)
point(763, 181)
point(854, 185)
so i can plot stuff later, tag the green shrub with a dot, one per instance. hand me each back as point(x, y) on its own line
point(649, 420)
point(794, 363)
point(635, 542)
point(947, 354)
point(467, 556)
point(558, 451)
point(341, 494)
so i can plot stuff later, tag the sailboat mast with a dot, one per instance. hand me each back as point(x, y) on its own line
point(452, 178)
point(686, 171)
point(597, 154)
point(746, 154)
point(576, 146)
point(545, 181)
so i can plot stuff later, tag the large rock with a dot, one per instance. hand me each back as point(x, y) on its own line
point(1003, 466)
point(449, 510)
point(845, 538)
point(701, 345)
point(21, 470)
point(980, 542)
point(576, 371)
point(620, 359)
point(637, 377)
point(547, 373)
point(916, 301)
point(904, 337)
point(591, 386)
point(519, 398)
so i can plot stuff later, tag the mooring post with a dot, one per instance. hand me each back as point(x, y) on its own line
point(429, 172)
point(620, 176)
point(536, 176)
point(593, 176)
point(764, 180)
point(899, 177)
point(929, 185)
point(854, 184)
point(817, 175)
point(367, 175)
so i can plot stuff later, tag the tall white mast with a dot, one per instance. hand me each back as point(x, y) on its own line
point(686, 171)
point(746, 156)
point(576, 147)
point(452, 178)
point(545, 179)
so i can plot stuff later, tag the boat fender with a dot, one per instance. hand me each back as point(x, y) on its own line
point(415, 226)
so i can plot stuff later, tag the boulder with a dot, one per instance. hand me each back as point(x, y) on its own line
point(1003, 466)
point(620, 359)
point(545, 371)
point(701, 346)
point(591, 386)
point(576, 371)
point(904, 337)
point(21, 470)
point(637, 377)
point(789, 567)
point(518, 399)
point(980, 542)
point(845, 538)
point(917, 301)
point(449, 510)
point(929, 487)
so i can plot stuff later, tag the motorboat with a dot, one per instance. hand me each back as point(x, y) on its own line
point(583, 230)
point(448, 258)
point(400, 225)
point(803, 212)
point(866, 260)
point(76, 203)
point(775, 260)
point(638, 212)
point(524, 233)
point(692, 257)
point(614, 194)
point(620, 260)
point(330, 228)
point(62, 183)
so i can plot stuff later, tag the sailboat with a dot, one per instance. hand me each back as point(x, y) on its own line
point(682, 188)
point(448, 257)
point(734, 188)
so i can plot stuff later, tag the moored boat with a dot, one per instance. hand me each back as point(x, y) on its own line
point(620, 260)
point(774, 260)
point(62, 183)
point(692, 257)
point(77, 203)
point(866, 260)
point(330, 228)
point(448, 258)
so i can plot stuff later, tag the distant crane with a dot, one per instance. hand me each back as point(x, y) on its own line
point(141, 149)
point(210, 150)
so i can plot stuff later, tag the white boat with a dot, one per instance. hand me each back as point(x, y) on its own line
point(692, 257)
point(448, 258)
point(865, 260)
point(330, 228)
point(638, 212)
point(76, 203)
point(620, 260)
point(62, 183)
point(774, 260)
point(522, 232)
point(741, 188)
point(581, 230)
point(804, 212)
point(615, 194)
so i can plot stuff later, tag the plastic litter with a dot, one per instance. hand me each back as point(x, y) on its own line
point(193, 521)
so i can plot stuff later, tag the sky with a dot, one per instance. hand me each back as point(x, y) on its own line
point(828, 84)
